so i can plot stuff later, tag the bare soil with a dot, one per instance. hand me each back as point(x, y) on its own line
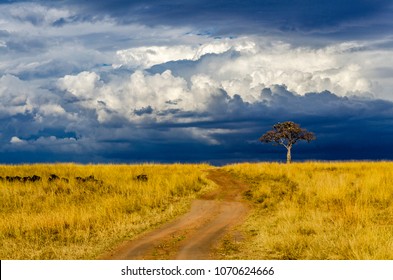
point(194, 235)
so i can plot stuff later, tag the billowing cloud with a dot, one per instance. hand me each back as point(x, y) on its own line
point(246, 65)
point(151, 114)
point(348, 19)
point(145, 57)
point(150, 80)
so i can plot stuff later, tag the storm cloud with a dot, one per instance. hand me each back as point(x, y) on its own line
point(167, 81)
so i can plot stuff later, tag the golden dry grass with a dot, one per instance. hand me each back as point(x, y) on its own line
point(74, 220)
point(300, 211)
point(316, 211)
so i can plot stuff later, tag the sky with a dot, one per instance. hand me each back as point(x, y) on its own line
point(194, 80)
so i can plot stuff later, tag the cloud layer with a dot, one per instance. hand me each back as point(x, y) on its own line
point(148, 82)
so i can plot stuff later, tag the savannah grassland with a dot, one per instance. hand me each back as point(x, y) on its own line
point(316, 211)
point(76, 220)
point(298, 211)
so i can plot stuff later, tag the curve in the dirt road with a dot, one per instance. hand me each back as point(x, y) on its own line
point(200, 229)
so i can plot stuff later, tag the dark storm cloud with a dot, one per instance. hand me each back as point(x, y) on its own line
point(232, 16)
point(346, 128)
point(251, 16)
point(136, 81)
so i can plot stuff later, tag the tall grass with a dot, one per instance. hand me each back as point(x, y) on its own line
point(80, 220)
point(317, 211)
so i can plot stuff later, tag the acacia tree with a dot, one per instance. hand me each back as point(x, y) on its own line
point(287, 134)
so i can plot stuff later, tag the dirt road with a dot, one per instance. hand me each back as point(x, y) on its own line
point(192, 236)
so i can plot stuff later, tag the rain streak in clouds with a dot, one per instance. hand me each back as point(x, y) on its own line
point(81, 84)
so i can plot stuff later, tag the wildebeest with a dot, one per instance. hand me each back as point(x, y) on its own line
point(12, 179)
point(53, 177)
point(25, 179)
point(88, 179)
point(142, 177)
point(79, 179)
point(35, 178)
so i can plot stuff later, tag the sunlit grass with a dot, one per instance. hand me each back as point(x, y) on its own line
point(80, 220)
point(317, 211)
point(308, 210)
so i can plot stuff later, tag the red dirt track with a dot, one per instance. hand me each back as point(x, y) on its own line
point(193, 235)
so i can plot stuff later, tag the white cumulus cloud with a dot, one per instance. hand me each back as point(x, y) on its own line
point(16, 140)
point(145, 57)
point(240, 67)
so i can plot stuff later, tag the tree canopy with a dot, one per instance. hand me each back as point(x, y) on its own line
point(287, 134)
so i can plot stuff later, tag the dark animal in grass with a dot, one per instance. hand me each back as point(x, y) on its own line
point(35, 178)
point(79, 179)
point(12, 179)
point(24, 179)
point(89, 179)
point(142, 177)
point(53, 178)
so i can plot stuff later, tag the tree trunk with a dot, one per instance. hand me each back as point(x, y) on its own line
point(289, 158)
